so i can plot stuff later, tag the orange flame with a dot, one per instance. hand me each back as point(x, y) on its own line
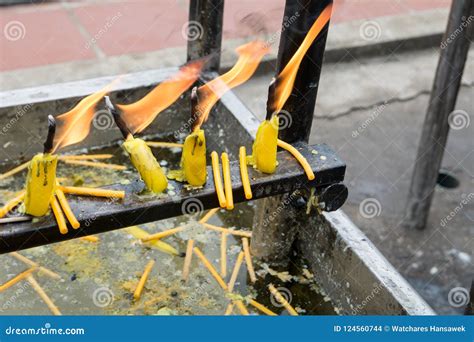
point(74, 126)
point(286, 79)
point(250, 55)
point(140, 115)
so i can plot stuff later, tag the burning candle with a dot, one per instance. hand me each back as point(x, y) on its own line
point(265, 144)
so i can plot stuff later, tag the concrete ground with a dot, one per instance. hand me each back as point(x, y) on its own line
point(371, 112)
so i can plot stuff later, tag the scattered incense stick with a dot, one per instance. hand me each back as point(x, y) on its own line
point(17, 278)
point(143, 279)
point(95, 164)
point(299, 157)
point(224, 255)
point(188, 259)
point(140, 234)
point(244, 174)
point(262, 308)
point(229, 309)
point(235, 271)
point(31, 263)
point(81, 191)
point(85, 156)
point(227, 181)
point(39, 290)
point(240, 305)
point(58, 214)
point(67, 209)
point(278, 296)
point(15, 170)
point(208, 215)
point(12, 204)
point(227, 230)
point(210, 268)
point(163, 234)
point(90, 238)
point(218, 179)
point(163, 144)
point(248, 259)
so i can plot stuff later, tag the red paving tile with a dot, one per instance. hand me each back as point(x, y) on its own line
point(124, 27)
point(38, 38)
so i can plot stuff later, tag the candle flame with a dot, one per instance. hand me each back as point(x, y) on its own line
point(139, 115)
point(286, 79)
point(250, 56)
point(74, 126)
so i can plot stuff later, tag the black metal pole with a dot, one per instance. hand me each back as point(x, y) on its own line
point(298, 18)
point(435, 130)
point(204, 31)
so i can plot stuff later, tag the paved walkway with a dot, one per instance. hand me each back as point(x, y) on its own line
point(61, 31)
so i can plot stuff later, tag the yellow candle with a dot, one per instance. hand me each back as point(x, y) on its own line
point(216, 170)
point(265, 146)
point(299, 157)
point(141, 284)
point(193, 160)
point(145, 162)
point(229, 198)
point(40, 184)
point(244, 175)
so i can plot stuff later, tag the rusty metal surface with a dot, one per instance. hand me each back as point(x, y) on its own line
point(101, 215)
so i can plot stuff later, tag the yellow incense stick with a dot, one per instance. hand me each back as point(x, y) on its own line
point(90, 238)
point(95, 164)
point(67, 209)
point(39, 290)
point(85, 156)
point(163, 234)
point(227, 181)
point(58, 214)
point(227, 230)
point(15, 170)
point(210, 268)
point(216, 170)
point(229, 309)
point(235, 271)
point(244, 174)
point(208, 215)
point(224, 255)
point(262, 308)
point(187, 259)
point(17, 278)
point(299, 157)
point(278, 296)
point(12, 204)
point(248, 259)
point(31, 263)
point(163, 144)
point(75, 190)
point(143, 279)
point(240, 305)
point(139, 233)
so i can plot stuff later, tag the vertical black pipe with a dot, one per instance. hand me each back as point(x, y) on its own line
point(298, 18)
point(204, 31)
point(455, 47)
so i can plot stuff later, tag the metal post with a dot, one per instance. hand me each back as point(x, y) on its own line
point(272, 240)
point(204, 31)
point(435, 131)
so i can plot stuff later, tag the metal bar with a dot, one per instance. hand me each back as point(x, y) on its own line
point(435, 130)
point(273, 241)
point(102, 215)
point(204, 31)
point(300, 105)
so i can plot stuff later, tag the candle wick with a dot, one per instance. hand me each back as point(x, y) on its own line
point(271, 99)
point(48, 144)
point(118, 119)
